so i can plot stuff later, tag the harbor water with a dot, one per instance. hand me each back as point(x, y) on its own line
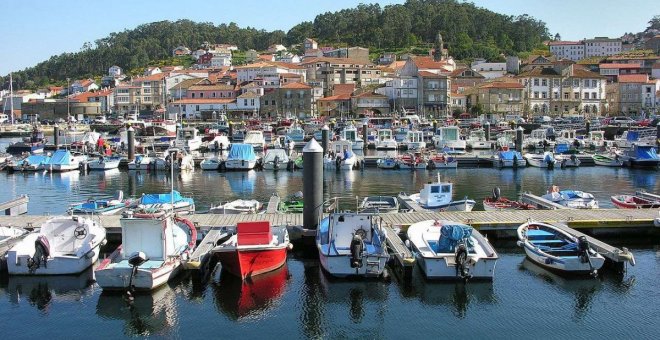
point(300, 301)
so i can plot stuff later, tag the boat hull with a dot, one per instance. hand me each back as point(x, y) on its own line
point(209, 165)
point(565, 265)
point(239, 164)
point(112, 278)
point(444, 268)
point(58, 265)
point(248, 262)
point(340, 266)
point(103, 165)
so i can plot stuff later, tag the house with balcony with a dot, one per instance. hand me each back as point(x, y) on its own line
point(613, 70)
point(369, 104)
point(331, 71)
point(637, 94)
point(499, 96)
point(202, 108)
point(294, 99)
point(269, 71)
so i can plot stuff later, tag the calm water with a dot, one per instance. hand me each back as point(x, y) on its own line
point(299, 301)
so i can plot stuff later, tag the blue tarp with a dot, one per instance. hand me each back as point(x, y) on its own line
point(645, 152)
point(562, 148)
point(37, 159)
point(632, 136)
point(242, 152)
point(547, 158)
point(510, 155)
point(60, 157)
point(450, 235)
point(164, 198)
point(569, 194)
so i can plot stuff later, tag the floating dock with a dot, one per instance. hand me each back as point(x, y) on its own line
point(199, 257)
point(15, 207)
point(540, 202)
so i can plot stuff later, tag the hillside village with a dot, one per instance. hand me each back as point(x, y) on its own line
point(593, 77)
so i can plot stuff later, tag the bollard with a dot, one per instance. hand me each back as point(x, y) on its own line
point(365, 135)
point(587, 128)
point(312, 184)
point(325, 139)
point(56, 136)
point(519, 138)
point(487, 131)
point(130, 135)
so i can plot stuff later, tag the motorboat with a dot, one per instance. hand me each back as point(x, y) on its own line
point(188, 139)
point(211, 163)
point(293, 204)
point(104, 163)
point(275, 159)
point(340, 157)
point(438, 197)
point(412, 161)
point(219, 143)
point(477, 140)
point(505, 140)
point(451, 251)
point(296, 135)
point(571, 198)
point(595, 139)
point(238, 206)
point(569, 137)
point(610, 159)
point(140, 162)
point(641, 156)
point(508, 159)
point(8, 237)
point(450, 137)
point(544, 160)
point(498, 203)
point(102, 207)
point(388, 162)
point(553, 248)
point(256, 248)
point(566, 156)
point(350, 133)
point(150, 254)
point(385, 140)
point(33, 144)
point(182, 160)
point(63, 160)
point(379, 205)
point(634, 202)
point(538, 139)
point(443, 161)
point(30, 163)
point(241, 157)
point(163, 127)
point(414, 140)
point(149, 203)
point(63, 245)
point(256, 139)
point(352, 244)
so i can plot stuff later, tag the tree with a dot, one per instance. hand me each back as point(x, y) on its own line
point(654, 23)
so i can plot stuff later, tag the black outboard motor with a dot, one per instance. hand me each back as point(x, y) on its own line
point(135, 260)
point(583, 248)
point(462, 261)
point(357, 248)
point(276, 162)
point(41, 253)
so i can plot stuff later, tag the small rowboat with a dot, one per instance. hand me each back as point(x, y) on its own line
point(633, 202)
point(497, 202)
point(607, 160)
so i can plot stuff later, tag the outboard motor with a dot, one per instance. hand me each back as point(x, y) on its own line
point(41, 253)
point(462, 262)
point(276, 162)
point(135, 260)
point(357, 248)
point(583, 249)
point(515, 161)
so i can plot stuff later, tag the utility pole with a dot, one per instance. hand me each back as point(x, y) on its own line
point(68, 90)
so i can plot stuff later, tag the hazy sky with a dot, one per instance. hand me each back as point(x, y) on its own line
point(34, 30)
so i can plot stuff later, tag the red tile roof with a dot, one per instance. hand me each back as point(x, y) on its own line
point(336, 98)
point(338, 89)
point(428, 63)
point(619, 66)
point(633, 78)
point(157, 76)
point(296, 86)
point(204, 101)
point(502, 85)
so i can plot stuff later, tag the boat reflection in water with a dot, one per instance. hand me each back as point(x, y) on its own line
point(250, 298)
point(152, 313)
point(42, 291)
point(583, 288)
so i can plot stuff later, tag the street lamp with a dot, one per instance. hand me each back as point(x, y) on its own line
point(68, 94)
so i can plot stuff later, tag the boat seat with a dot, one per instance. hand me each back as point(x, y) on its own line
point(150, 264)
point(546, 241)
point(253, 233)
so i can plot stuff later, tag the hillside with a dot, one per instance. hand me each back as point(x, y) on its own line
point(468, 30)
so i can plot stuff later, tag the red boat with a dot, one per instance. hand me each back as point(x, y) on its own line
point(497, 202)
point(633, 202)
point(256, 248)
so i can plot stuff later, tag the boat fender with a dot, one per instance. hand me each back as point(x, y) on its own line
point(357, 248)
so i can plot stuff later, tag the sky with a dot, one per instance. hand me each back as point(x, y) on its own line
point(34, 30)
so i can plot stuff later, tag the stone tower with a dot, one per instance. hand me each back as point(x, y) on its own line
point(438, 53)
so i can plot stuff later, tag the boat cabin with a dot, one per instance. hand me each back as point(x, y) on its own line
point(436, 194)
point(448, 133)
point(384, 134)
point(155, 237)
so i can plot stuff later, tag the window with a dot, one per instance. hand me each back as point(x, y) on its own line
point(536, 82)
point(273, 102)
point(544, 95)
point(586, 95)
point(555, 82)
point(192, 95)
point(245, 102)
point(594, 95)
point(431, 97)
point(594, 83)
point(536, 94)
point(214, 94)
point(544, 82)
point(446, 189)
point(435, 189)
point(555, 95)
point(576, 83)
point(565, 95)
point(201, 95)
point(556, 108)
point(196, 107)
point(576, 95)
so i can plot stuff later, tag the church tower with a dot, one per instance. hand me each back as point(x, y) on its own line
point(438, 54)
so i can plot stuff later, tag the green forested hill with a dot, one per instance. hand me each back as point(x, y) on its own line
point(469, 31)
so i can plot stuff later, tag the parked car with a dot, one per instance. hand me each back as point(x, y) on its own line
point(623, 121)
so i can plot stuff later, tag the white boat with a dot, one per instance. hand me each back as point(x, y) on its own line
point(443, 161)
point(415, 140)
point(165, 127)
point(385, 140)
point(102, 207)
point(64, 160)
point(182, 160)
point(567, 160)
point(104, 163)
point(555, 249)
point(571, 198)
point(241, 157)
point(568, 136)
point(452, 251)
point(341, 156)
point(350, 133)
point(388, 162)
point(211, 163)
point(296, 134)
point(219, 142)
point(449, 137)
point(610, 159)
point(508, 159)
point(412, 161)
point(30, 163)
point(438, 197)
point(256, 139)
point(595, 139)
point(150, 253)
point(188, 138)
point(238, 206)
point(149, 203)
point(505, 139)
point(544, 160)
point(656, 221)
point(63, 245)
point(641, 156)
point(379, 205)
point(538, 139)
point(275, 159)
point(352, 244)
point(8, 237)
point(477, 140)
point(140, 162)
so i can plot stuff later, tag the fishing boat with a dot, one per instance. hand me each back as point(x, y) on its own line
point(477, 140)
point(388, 162)
point(412, 161)
point(450, 137)
point(296, 134)
point(238, 206)
point(163, 127)
point(379, 205)
point(256, 248)
point(275, 159)
point(554, 249)
point(241, 157)
point(181, 158)
point(30, 163)
point(574, 199)
point(414, 140)
point(150, 254)
point(350, 133)
point(633, 202)
point(63, 160)
point(641, 156)
point(150, 203)
point(595, 139)
point(385, 140)
point(352, 244)
point(140, 162)
point(438, 197)
point(508, 159)
point(188, 139)
point(102, 207)
point(609, 159)
point(544, 160)
point(497, 203)
point(211, 163)
point(33, 144)
point(219, 142)
point(8, 237)
point(340, 157)
point(104, 163)
point(443, 161)
point(292, 205)
point(451, 251)
point(256, 139)
point(63, 245)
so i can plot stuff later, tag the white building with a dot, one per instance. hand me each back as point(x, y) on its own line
point(601, 46)
point(572, 50)
point(114, 71)
point(193, 107)
point(276, 48)
point(489, 70)
point(265, 70)
point(248, 101)
point(221, 60)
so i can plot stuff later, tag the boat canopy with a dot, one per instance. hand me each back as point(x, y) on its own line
point(632, 136)
point(562, 148)
point(164, 198)
point(645, 152)
point(242, 151)
point(510, 155)
point(62, 157)
point(450, 235)
point(37, 159)
point(272, 153)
